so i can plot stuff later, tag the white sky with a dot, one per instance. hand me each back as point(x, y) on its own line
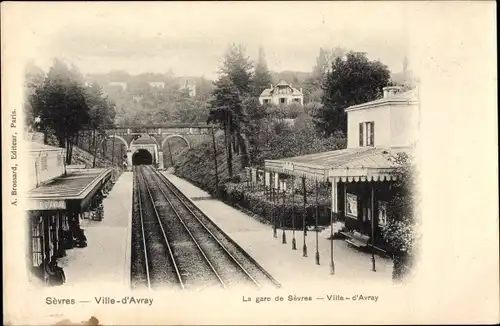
point(190, 37)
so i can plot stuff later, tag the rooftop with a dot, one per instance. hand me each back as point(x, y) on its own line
point(282, 83)
point(363, 163)
point(409, 97)
point(74, 185)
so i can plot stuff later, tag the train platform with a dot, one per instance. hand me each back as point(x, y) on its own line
point(289, 266)
point(106, 259)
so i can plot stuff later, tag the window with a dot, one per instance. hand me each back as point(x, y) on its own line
point(296, 100)
point(36, 241)
point(266, 101)
point(283, 100)
point(367, 134)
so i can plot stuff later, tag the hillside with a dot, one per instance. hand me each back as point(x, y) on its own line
point(82, 157)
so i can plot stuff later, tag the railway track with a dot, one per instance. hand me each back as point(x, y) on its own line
point(176, 244)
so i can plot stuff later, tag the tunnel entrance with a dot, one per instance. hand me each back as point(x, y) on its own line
point(142, 157)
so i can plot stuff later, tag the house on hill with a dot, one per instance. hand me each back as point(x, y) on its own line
point(122, 85)
point(281, 94)
point(189, 85)
point(157, 84)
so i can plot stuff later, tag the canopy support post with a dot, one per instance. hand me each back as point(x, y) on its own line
point(304, 247)
point(316, 227)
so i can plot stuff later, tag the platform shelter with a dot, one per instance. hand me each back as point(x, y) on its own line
point(56, 203)
point(362, 175)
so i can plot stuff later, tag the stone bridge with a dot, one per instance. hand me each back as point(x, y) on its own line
point(144, 144)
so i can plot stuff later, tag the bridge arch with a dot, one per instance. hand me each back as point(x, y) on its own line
point(175, 136)
point(150, 137)
point(117, 137)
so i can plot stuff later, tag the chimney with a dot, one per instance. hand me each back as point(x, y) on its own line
point(271, 86)
point(301, 89)
point(391, 91)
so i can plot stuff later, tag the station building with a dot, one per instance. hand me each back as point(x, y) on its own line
point(362, 174)
point(57, 198)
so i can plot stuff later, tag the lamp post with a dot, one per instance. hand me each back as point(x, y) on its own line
point(372, 204)
point(273, 200)
point(317, 212)
point(333, 211)
point(294, 243)
point(283, 217)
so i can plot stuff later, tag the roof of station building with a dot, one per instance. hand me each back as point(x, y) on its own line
point(77, 185)
point(351, 164)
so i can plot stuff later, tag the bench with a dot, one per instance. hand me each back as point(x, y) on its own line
point(356, 239)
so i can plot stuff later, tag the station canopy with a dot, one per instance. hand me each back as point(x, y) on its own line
point(345, 165)
point(77, 186)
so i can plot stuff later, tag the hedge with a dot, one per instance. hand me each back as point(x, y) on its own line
point(257, 203)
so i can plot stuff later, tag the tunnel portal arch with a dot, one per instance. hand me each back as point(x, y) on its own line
point(142, 157)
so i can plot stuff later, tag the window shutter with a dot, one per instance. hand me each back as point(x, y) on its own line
point(361, 134)
point(372, 134)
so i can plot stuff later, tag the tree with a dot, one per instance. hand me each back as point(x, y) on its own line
point(203, 89)
point(33, 79)
point(352, 80)
point(101, 109)
point(227, 107)
point(262, 79)
point(238, 68)
point(403, 219)
point(61, 104)
point(313, 86)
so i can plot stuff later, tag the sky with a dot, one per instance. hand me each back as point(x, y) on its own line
point(190, 38)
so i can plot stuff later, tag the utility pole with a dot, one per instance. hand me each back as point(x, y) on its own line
point(95, 148)
point(113, 150)
point(215, 161)
point(170, 152)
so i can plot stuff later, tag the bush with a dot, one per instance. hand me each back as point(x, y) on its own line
point(403, 219)
point(235, 194)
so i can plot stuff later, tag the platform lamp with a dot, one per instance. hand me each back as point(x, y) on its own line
point(273, 200)
point(332, 220)
point(372, 204)
point(284, 211)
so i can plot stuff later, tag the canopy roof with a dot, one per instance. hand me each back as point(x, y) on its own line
point(346, 165)
point(78, 185)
